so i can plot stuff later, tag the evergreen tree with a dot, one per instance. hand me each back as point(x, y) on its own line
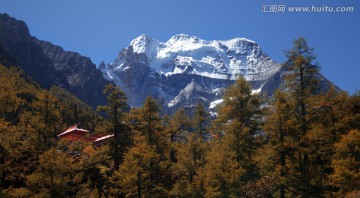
point(51, 178)
point(222, 172)
point(115, 111)
point(177, 126)
point(239, 119)
point(147, 123)
point(303, 86)
point(279, 152)
point(44, 122)
point(187, 170)
point(135, 176)
point(200, 120)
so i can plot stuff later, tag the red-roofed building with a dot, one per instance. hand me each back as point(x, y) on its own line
point(74, 133)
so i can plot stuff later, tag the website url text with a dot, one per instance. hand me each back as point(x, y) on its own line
point(313, 8)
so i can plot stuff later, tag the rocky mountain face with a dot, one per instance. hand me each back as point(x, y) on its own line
point(49, 64)
point(84, 79)
point(186, 70)
point(180, 72)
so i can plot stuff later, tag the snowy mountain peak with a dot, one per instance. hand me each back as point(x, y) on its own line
point(185, 39)
point(141, 40)
point(187, 69)
point(144, 44)
point(180, 37)
point(183, 53)
point(238, 42)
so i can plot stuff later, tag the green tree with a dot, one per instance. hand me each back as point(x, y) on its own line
point(115, 111)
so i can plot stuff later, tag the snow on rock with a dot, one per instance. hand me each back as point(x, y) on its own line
point(186, 69)
point(216, 59)
point(213, 104)
point(257, 91)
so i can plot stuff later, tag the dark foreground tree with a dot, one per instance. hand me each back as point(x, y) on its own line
point(115, 111)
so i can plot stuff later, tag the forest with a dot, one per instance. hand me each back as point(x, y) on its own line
point(300, 142)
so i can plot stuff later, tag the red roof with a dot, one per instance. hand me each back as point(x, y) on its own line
point(104, 137)
point(76, 134)
point(72, 129)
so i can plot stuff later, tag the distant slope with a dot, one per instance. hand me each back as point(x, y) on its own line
point(49, 64)
point(186, 70)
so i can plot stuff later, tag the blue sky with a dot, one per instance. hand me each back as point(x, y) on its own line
point(100, 29)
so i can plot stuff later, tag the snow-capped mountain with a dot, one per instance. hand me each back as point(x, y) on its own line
point(185, 69)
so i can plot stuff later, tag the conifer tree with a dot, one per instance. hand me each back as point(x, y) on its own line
point(115, 111)
point(190, 162)
point(279, 152)
point(302, 83)
point(200, 120)
point(147, 122)
point(136, 178)
point(44, 122)
point(239, 119)
point(346, 163)
point(51, 178)
point(179, 123)
point(222, 172)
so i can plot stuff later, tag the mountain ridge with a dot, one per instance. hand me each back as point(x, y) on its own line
point(168, 70)
point(178, 73)
point(51, 65)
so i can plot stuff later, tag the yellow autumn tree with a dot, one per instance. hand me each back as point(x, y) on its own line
point(346, 162)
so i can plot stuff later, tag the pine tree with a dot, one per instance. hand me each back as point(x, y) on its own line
point(303, 86)
point(187, 170)
point(280, 149)
point(147, 122)
point(115, 111)
point(200, 120)
point(52, 175)
point(222, 172)
point(43, 122)
point(135, 176)
point(178, 124)
point(239, 119)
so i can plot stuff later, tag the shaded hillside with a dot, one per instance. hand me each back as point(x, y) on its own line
point(49, 64)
